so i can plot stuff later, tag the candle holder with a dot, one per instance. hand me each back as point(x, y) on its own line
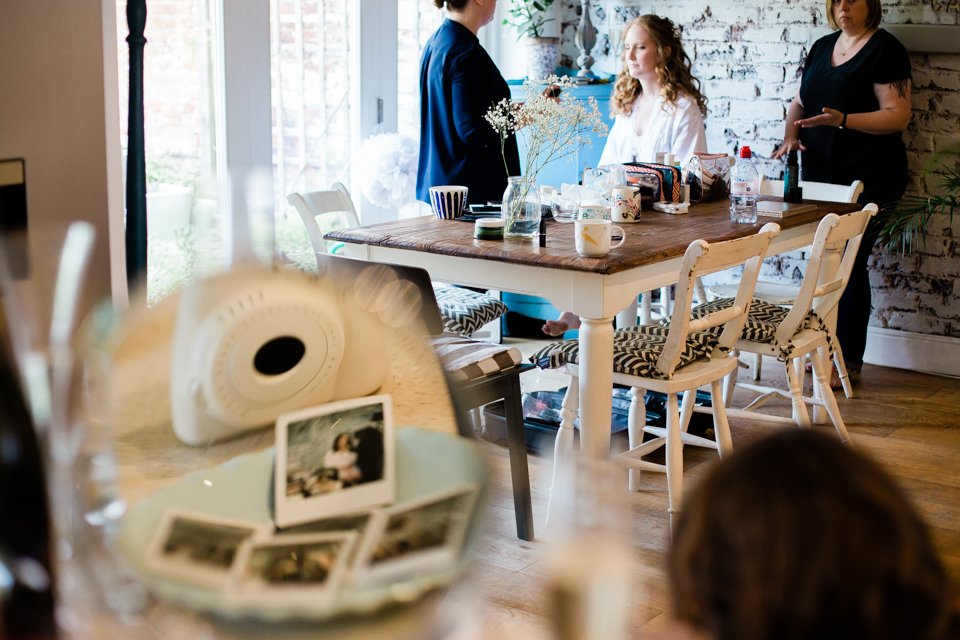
point(586, 38)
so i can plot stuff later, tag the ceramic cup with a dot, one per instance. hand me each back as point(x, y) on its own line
point(593, 238)
point(626, 204)
point(448, 201)
point(593, 212)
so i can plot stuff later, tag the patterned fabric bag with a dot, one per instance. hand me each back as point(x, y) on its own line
point(708, 175)
point(665, 182)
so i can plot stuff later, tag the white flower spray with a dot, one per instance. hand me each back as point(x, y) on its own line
point(550, 128)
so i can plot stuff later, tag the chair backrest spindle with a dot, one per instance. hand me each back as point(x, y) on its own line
point(702, 258)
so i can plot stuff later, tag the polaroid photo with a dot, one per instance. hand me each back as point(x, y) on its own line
point(199, 548)
point(333, 460)
point(355, 523)
point(291, 570)
point(415, 537)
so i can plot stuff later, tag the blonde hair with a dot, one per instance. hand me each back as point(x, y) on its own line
point(673, 68)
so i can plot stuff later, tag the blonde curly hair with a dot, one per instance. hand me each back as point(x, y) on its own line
point(673, 68)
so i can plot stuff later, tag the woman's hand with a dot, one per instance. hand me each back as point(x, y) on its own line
point(552, 92)
point(788, 145)
point(829, 118)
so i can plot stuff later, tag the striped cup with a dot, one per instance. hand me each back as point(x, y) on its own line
point(448, 201)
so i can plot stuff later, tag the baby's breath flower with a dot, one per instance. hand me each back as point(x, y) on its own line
point(550, 128)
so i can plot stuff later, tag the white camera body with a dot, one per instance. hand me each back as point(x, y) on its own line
point(256, 342)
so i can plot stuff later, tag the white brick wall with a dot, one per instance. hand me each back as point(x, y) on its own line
point(747, 54)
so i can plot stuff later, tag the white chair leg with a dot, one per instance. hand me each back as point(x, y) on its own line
point(686, 409)
point(842, 371)
point(757, 365)
point(720, 425)
point(563, 447)
point(666, 302)
point(699, 291)
point(674, 460)
point(730, 383)
point(800, 415)
point(821, 369)
point(636, 421)
point(646, 307)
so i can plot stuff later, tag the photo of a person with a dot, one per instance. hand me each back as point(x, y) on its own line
point(334, 459)
point(334, 451)
point(415, 536)
point(343, 458)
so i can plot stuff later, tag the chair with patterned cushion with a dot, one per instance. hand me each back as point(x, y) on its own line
point(794, 333)
point(673, 359)
point(464, 311)
point(784, 294)
point(478, 373)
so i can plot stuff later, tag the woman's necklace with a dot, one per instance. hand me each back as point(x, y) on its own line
point(847, 49)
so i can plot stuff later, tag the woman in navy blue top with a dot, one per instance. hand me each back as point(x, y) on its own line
point(846, 119)
point(458, 84)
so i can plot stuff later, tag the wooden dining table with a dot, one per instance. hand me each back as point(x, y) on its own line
point(596, 289)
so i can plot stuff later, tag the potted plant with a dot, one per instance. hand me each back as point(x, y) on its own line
point(529, 18)
point(907, 222)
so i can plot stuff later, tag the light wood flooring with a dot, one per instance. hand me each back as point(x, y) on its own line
point(909, 421)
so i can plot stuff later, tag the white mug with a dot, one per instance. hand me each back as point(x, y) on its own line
point(593, 237)
point(593, 212)
point(626, 204)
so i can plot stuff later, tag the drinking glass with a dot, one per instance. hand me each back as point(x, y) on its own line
point(41, 279)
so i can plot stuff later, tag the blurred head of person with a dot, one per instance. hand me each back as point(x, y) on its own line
point(798, 536)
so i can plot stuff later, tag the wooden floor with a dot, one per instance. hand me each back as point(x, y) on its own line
point(909, 421)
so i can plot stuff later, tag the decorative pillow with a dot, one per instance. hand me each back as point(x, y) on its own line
point(762, 322)
point(635, 351)
point(464, 311)
point(464, 359)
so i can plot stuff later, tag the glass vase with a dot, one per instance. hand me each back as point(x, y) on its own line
point(521, 208)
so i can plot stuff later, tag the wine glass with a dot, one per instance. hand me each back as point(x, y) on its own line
point(566, 203)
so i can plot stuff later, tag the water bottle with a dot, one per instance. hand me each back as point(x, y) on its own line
point(744, 189)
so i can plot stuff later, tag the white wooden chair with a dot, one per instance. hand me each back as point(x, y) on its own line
point(678, 358)
point(781, 293)
point(333, 203)
point(793, 333)
point(464, 311)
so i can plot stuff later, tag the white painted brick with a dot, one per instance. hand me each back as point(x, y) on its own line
point(789, 13)
point(765, 34)
point(770, 73)
point(710, 33)
point(778, 52)
point(758, 110)
point(711, 70)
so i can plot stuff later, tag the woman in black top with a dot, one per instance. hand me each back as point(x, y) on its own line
point(846, 119)
point(458, 85)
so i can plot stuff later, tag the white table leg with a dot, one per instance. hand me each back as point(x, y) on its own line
point(596, 385)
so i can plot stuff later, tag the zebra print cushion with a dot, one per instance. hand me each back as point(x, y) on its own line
point(465, 359)
point(635, 351)
point(464, 311)
point(762, 322)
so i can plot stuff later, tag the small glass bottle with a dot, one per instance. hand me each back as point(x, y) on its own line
point(791, 176)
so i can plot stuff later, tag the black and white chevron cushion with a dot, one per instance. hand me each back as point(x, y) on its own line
point(464, 359)
point(464, 311)
point(635, 351)
point(762, 322)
